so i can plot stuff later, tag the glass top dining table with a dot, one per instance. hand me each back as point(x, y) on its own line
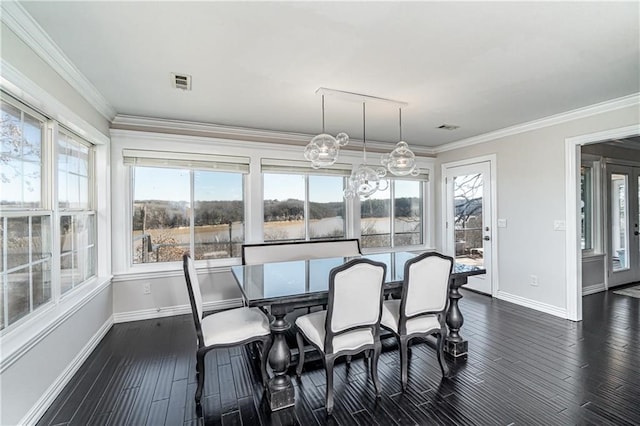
point(307, 281)
point(284, 286)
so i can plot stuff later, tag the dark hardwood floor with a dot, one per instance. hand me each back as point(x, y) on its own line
point(524, 367)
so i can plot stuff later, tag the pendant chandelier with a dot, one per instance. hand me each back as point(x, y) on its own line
point(365, 180)
point(323, 149)
point(401, 161)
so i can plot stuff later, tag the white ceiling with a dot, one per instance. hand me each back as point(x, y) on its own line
point(483, 66)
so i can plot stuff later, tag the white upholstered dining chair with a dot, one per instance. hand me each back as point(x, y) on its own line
point(224, 329)
point(422, 309)
point(351, 323)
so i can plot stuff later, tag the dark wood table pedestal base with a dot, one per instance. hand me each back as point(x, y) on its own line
point(454, 345)
point(280, 392)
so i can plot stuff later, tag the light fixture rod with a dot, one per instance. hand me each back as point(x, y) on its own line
point(323, 114)
point(359, 96)
point(400, 120)
point(364, 133)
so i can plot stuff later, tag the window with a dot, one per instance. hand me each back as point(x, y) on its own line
point(28, 205)
point(185, 207)
point(397, 224)
point(303, 207)
point(25, 229)
point(586, 210)
point(77, 217)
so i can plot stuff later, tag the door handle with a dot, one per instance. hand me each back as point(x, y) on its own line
point(487, 238)
point(636, 233)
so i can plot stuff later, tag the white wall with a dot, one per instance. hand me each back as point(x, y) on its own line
point(41, 354)
point(31, 383)
point(531, 195)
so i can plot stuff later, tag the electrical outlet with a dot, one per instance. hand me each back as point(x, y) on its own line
point(147, 288)
point(533, 280)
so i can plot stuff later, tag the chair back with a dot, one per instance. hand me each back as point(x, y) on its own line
point(426, 284)
point(253, 254)
point(355, 298)
point(195, 296)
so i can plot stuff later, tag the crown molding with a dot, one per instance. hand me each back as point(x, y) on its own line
point(30, 32)
point(599, 108)
point(24, 89)
point(215, 131)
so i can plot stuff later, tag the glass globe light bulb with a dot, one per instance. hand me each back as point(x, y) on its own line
point(342, 139)
point(327, 150)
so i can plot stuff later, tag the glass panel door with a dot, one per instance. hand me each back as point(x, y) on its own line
point(468, 227)
point(623, 232)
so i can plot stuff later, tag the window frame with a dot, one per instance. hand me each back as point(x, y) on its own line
point(596, 164)
point(50, 211)
point(307, 205)
point(424, 193)
point(148, 163)
point(73, 213)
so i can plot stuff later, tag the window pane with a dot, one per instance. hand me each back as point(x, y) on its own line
point(284, 207)
point(40, 237)
point(586, 183)
point(407, 213)
point(468, 200)
point(619, 221)
point(218, 214)
point(18, 294)
point(375, 220)
point(41, 273)
point(160, 214)
point(28, 255)
point(67, 249)
point(17, 242)
point(326, 207)
point(73, 173)
point(21, 174)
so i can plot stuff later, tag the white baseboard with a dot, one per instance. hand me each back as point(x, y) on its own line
point(595, 288)
point(528, 303)
point(45, 401)
point(145, 314)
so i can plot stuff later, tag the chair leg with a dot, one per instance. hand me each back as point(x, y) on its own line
point(404, 361)
point(200, 375)
point(264, 357)
point(439, 350)
point(328, 365)
point(348, 358)
point(300, 341)
point(374, 367)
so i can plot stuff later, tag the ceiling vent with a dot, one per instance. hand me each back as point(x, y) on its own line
point(448, 127)
point(181, 81)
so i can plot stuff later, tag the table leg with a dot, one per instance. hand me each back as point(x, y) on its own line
point(455, 345)
point(280, 392)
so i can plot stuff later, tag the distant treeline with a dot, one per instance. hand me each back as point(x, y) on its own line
point(155, 214)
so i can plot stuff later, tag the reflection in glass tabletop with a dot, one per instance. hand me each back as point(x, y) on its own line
point(308, 279)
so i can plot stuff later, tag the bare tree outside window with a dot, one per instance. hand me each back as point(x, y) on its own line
point(468, 217)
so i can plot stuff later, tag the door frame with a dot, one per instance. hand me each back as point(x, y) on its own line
point(492, 160)
point(573, 250)
point(633, 170)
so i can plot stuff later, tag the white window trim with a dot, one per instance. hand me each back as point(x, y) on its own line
point(18, 338)
point(597, 208)
point(256, 151)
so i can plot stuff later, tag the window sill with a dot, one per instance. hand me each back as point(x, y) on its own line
point(591, 255)
point(18, 340)
point(172, 268)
